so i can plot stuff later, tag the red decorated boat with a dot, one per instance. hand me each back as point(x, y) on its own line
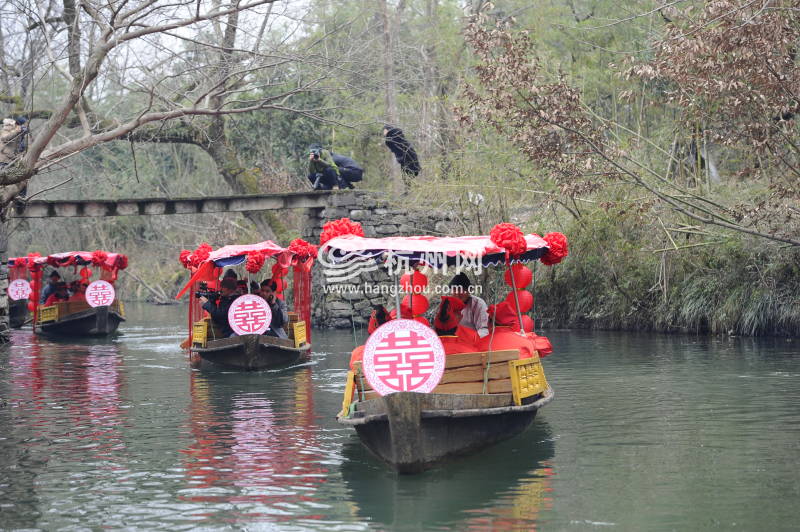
point(80, 308)
point(418, 396)
point(251, 343)
point(19, 290)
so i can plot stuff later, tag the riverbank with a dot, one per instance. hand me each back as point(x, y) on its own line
point(621, 278)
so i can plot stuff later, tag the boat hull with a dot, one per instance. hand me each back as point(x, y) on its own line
point(17, 313)
point(251, 352)
point(413, 432)
point(97, 321)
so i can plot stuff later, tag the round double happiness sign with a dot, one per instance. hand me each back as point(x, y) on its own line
point(403, 356)
point(249, 314)
point(19, 289)
point(100, 294)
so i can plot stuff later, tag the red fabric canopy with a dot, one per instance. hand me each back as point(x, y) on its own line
point(421, 246)
point(471, 246)
point(70, 258)
point(236, 254)
point(267, 247)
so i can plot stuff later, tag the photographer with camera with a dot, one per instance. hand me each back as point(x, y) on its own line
point(322, 170)
point(217, 304)
point(279, 315)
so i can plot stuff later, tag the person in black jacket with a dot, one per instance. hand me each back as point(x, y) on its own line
point(349, 170)
point(219, 309)
point(402, 149)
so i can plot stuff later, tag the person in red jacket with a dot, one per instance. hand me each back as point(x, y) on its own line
point(59, 295)
point(79, 293)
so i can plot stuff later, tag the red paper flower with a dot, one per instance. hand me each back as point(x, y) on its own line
point(509, 237)
point(302, 249)
point(200, 254)
point(185, 258)
point(99, 257)
point(29, 260)
point(255, 260)
point(121, 262)
point(557, 244)
point(340, 227)
point(52, 261)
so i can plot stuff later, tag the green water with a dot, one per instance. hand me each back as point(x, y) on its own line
point(647, 432)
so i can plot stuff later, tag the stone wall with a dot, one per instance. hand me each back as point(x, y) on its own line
point(350, 303)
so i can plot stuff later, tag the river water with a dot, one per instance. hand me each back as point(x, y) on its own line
point(647, 432)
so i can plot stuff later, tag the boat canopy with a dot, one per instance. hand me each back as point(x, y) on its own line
point(431, 250)
point(233, 255)
point(106, 260)
point(237, 254)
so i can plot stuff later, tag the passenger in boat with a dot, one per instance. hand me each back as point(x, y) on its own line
point(454, 337)
point(322, 170)
point(230, 273)
point(254, 288)
point(448, 316)
point(474, 314)
point(241, 287)
point(378, 317)
point(218, 310)
point(60, 294)
point(79, 291)
point(53, 279)
point(279, 315)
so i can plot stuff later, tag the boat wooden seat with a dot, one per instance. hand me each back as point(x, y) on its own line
point(487, 372)
point(205, 330)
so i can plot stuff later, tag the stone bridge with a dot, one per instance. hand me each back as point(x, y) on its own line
point(376, 214)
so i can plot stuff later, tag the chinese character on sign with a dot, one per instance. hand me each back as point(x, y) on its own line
point(403, 356)
point(249, 314)
point(100, 294)
point(19, 289)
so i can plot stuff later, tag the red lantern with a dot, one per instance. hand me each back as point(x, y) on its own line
point(413, 282)
point(414, 303)
point(522, 276)
point(85, 273)
point(525, 300)
point(527, 323)
point(30, 306)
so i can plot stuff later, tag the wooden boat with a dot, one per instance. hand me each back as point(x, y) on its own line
point(250, 351)
point(413, 431)
point(18, 311)
point(100, 315)
point(77, 318)
point(246, 352)
point(481, 397)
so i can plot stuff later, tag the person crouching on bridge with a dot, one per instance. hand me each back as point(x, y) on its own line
point(218, 310)
point(279, 315)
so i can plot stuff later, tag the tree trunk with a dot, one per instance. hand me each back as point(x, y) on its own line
point(390, 90)
point(4, 326)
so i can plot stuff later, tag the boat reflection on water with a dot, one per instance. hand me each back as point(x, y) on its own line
point(255, 455)
point(65, 414)
point(503, 488)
